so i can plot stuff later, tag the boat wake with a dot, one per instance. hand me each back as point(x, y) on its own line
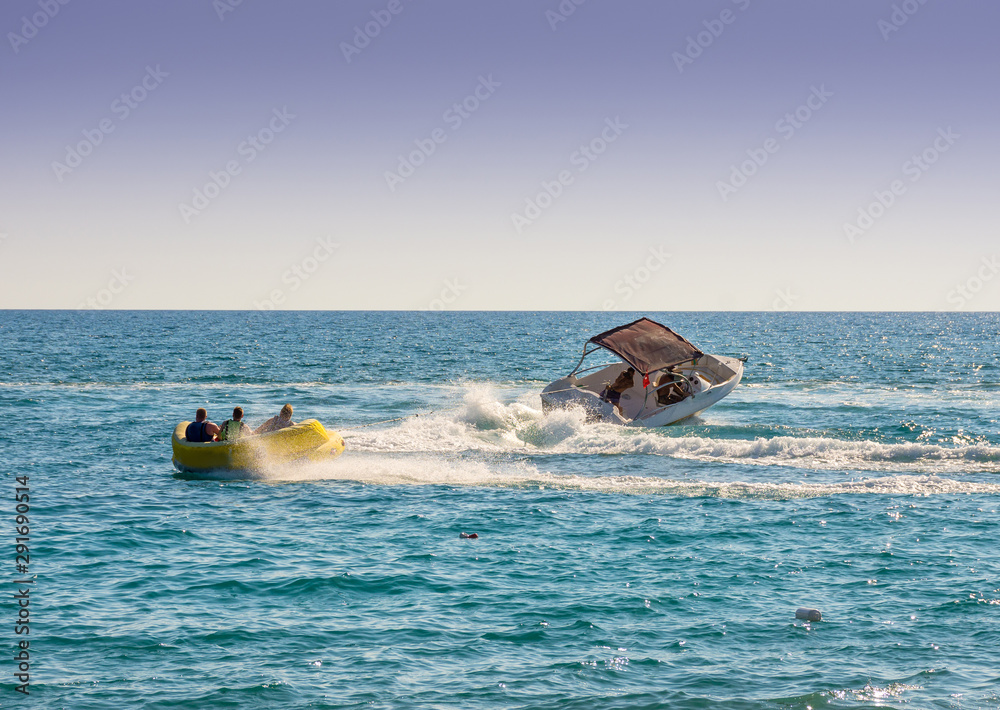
point(488, 443)
point(424, 470)
point(484, 424)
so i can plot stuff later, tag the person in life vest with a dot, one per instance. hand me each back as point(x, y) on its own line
point(284, 419)
point(201, 430)
point(234, 428)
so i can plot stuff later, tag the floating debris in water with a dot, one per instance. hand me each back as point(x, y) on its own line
point(808, 614)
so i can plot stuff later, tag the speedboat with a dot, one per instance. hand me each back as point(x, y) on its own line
point(307, 440)
point(659, 378)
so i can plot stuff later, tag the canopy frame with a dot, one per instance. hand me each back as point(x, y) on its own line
point(644, 344)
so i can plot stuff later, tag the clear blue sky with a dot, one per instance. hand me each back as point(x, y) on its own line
point(732, 154)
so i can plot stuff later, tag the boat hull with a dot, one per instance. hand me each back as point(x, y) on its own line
point(720, 376)
point(307, 440)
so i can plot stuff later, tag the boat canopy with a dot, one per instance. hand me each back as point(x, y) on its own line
point(647, 345)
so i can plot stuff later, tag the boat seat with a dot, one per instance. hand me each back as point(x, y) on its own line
point(631, 400)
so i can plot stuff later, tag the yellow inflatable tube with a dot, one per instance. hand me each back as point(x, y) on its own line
point(306, 440)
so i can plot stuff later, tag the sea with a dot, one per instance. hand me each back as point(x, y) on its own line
point(855, 471)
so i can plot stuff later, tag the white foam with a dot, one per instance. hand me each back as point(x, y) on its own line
point(387, 470)
point(422, 470)
point(487, 443)
point(486, 425)
point(804, 452)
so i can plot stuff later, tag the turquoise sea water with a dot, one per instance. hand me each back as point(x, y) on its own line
point(856, 470)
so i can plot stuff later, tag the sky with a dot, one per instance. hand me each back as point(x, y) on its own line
point(517, 154)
